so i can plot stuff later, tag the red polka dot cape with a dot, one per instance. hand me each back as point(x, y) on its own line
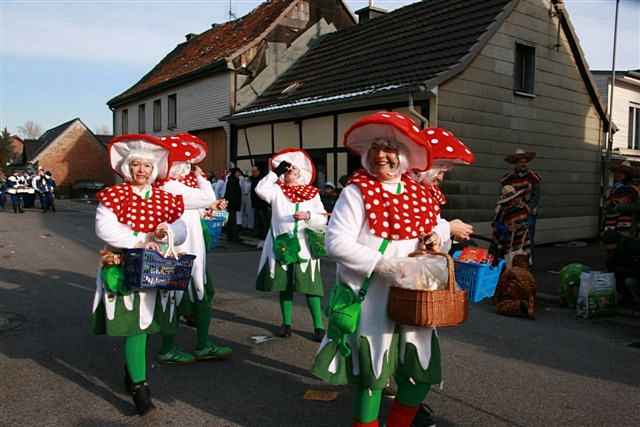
point(393, 216)
point(438, 197)
point(190, 180)
point(142, 215)
point(298, 193)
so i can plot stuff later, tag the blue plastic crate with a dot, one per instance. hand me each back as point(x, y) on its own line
point(145, 269)
point(213, 228)
point(479, 280)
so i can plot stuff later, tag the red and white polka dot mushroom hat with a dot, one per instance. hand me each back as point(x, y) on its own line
point(185, 147)
point(300, 159)
point(446, 149)
point(122, 149)
point(393, 127)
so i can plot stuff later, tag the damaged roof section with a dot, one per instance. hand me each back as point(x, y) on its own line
point(394, 52)
point(207, 51)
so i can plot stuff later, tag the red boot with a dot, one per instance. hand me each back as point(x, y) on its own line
point(373, 423)
point(401, 415)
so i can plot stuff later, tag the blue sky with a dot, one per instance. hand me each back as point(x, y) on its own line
point(65, 59)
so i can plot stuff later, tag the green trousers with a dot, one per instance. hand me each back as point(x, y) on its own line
point(135, 356)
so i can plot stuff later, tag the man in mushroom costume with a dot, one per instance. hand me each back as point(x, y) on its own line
point(135, 215)
point(189, 182)
point(447, 151)
point(379, 215)
point(290, 255)
point(524, 179)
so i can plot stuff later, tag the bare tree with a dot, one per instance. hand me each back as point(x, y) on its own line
point(30, 130)
point(5, 149)
point(103, 130)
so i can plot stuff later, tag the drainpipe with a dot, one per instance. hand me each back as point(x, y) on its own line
point(423, 120)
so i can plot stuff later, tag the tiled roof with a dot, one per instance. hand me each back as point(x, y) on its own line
point(399, 50)
point(208, 48)
point(104, 139)
point(37, 146)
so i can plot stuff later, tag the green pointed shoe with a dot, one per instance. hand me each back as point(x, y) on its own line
point(212, 352)
point(175, 357)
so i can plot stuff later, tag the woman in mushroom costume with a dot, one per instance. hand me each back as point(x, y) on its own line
point(447, 151)
point(379, 215)
point(290, 256)
point(134, 215)
point(189, 182)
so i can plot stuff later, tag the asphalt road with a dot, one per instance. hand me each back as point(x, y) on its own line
point(555, 371)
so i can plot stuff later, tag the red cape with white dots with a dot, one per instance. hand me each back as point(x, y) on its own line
point(393, 216)
point(298, 193)
point(142, 215)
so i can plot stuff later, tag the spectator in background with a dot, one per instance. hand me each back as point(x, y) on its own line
point(221, 185)
point(246, 209)
point(233, 194)
point(260, 207)
point(329, 196)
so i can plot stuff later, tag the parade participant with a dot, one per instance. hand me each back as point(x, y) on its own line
point(621, 227)
point(190, 182)
point(621, 193)
point(447, 151)
point(3, 188)
point(41, 184)
point(380, 215)
point(51, 195)
point(525, 179)
point(290, 257)
point(510, 224)
point(14, 184)
point(134, 215)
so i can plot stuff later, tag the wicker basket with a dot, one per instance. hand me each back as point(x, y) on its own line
point(448, 307)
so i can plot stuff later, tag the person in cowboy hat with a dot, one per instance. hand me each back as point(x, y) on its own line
point(621, 193)
point(290, 260)
point(621, 217)
point(189, 181)
point(380, 215)
point(522, 177)
point(132, 215)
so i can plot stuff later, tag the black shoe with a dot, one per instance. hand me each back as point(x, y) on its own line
point(285, 331)
point(318, 335)
point(142, 398)
point(128, 382)
point(424, 417)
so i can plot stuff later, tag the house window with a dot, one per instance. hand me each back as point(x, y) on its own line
point(125, 121)
point(634, 127)
point(142, 118)
point(525, 67)
point(157, 116)
point(173, 112)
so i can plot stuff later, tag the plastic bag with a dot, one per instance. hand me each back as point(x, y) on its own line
point(424, 273)
point(570, 283)
point(597, 294)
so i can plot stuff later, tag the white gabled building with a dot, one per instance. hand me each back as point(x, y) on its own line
point(215, 73)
